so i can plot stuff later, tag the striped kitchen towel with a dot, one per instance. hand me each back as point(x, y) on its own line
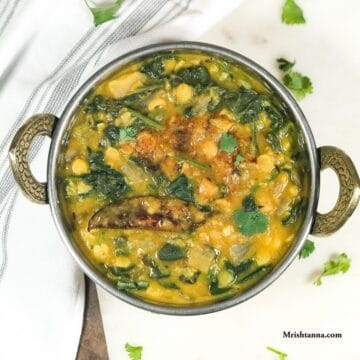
point(48, 48)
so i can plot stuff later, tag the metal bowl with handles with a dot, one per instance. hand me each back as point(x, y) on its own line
point(319, 159)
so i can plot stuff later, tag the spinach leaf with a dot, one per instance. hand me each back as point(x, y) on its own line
point(154, 68)
point(259, 272)
point(151, 123)
point(118, 270)
point(99, 103)
point(273, 139)
point(238, 101)
point(241, 268)
point(189, 278)
point(103, 178)
point(195, 75)
point(228, 143)
point(121, 247)
point(295, 211)
point(103, 14)
point(193, 162)
point(254, 140)
point(216, 290)
point(249, 204)
point(182, 188)
point(169, 285)
point(171, 252)
point(132, 285)
point(277, 119)
point(111, 132)
point(214, 282)
point(156, 271)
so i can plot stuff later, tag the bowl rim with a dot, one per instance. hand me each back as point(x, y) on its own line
point(107, 70)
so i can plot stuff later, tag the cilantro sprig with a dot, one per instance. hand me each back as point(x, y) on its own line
point(249, 219)
point(134, 352)
point(292, 13)
point(104, 13)
point(307, 249)
point(298, 83)
point(340, 264)
point(228, 143)
point(281, 355)
point(285, 65)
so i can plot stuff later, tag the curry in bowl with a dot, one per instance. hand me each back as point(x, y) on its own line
point(184, 179)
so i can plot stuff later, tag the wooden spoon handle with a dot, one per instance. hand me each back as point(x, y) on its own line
point(92, 341)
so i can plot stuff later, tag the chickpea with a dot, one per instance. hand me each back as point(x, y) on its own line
point(79, 166)
point(183, 93)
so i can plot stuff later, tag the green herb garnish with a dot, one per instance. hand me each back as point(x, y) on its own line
point(282, 355)
point(228, 143)
point(341, 264)
point(104, 13)
point(249, 219)
point(134, 352)
point(285, 65)
point(307, 249)
point(298, 83)
point(239, 159)
point(292, 13)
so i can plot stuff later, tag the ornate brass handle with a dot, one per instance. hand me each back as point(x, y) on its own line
point(41, 124)
point(335, 159)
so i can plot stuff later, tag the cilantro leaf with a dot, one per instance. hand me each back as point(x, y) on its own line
point(249, 219)
point(299, 84)
point(117, 135)
point(285, 65)
point(228, 143)
point(250, 222)
point(134, 352)
point(239, 159)
point(104, 13)
point(128, 133)
point(292, 13)
point(307, 249)
point(282, 355)
point(341, 264)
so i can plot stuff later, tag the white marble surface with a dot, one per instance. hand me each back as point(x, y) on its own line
point(327, 49)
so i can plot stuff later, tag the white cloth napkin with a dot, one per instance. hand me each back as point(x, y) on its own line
point(48, 48)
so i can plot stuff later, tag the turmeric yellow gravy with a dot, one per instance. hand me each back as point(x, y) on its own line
point(184, 179)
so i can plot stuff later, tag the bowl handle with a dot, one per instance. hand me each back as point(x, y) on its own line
point(335, 159)
point(41, 124)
